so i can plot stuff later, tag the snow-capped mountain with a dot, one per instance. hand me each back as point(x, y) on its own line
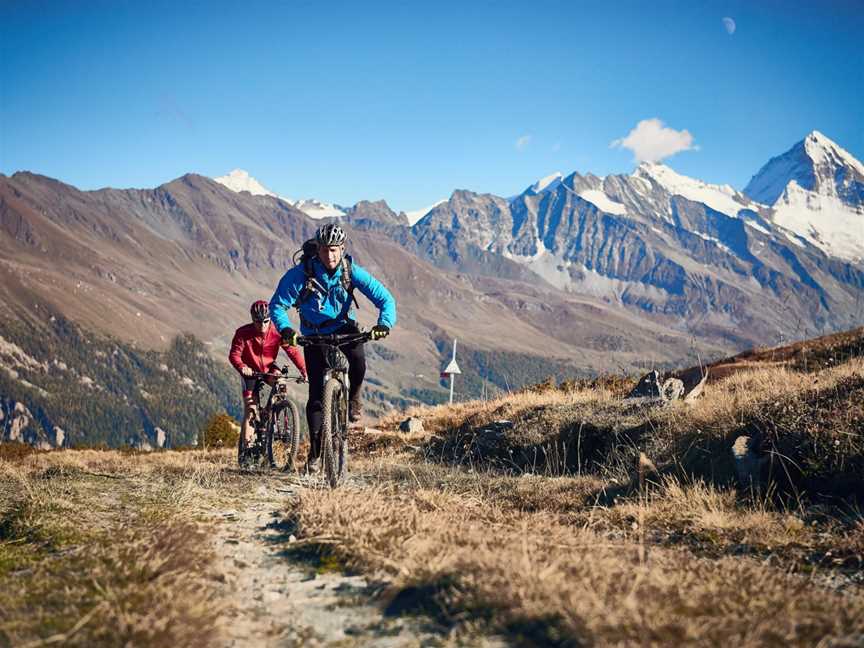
point(318, 209)
point(549, 183)
point(816, 189)
point(239, 180)
point(817, 164)
point(723, 198)
point(669, 244)
point(416, 214)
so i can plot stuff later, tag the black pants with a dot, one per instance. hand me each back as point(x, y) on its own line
point(315, 368)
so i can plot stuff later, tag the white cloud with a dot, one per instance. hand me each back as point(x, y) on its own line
point(651, 141)
point(522, 142)
point(729, 25)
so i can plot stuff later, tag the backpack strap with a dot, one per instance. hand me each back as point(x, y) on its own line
point(312, 286)
point(347, 283)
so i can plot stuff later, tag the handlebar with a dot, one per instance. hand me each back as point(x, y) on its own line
point(334, 339)
point(283, 371)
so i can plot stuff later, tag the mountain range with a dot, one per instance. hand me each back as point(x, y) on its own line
point(575, 275)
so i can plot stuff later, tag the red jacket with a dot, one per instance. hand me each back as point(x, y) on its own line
point(258, 352)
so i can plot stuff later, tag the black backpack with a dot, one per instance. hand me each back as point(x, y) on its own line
point(304, 256)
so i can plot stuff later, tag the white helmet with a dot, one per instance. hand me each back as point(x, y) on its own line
point(330, 234)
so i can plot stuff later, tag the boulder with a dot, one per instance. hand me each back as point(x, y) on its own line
point(411, 425)
point(17, 423)
point(648, 386)
point(691, 393)
point(651, 391)
point(672, 390)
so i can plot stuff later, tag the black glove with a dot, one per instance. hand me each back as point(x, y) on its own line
point(379, 331)
point(289, 336)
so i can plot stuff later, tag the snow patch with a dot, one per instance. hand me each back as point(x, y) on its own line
point(549, 266)
point(549, 183)
point(756, 226)
point(722, 198)
point(821, 150)
point(602, 201)
point(416, 214)
point(239, 180)
point(713, 240)
point(824, 221)
point(317, 209)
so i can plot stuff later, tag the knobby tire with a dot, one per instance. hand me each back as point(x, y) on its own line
point(283, 436)
point(334, 432)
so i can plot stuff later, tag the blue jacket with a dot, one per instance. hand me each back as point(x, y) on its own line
point(317, 312)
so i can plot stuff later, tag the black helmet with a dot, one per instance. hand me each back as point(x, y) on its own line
point(330, 234)
point(260, 311)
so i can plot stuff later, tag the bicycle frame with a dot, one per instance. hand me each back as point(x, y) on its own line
point(278, 391)
point(334, 439)
point(277, 398)
point(334, 359)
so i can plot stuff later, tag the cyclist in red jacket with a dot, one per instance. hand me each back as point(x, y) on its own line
point(255, 348)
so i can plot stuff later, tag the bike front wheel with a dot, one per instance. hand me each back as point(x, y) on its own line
point(334, 431)
point(283, 436)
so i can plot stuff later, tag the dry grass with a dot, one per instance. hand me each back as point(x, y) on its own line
point(457, 554)
point(441, 418)
point(809, 425)
point(102, 548)
point(525, 516)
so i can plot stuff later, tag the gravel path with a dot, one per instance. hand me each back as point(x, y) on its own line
point(280, 602)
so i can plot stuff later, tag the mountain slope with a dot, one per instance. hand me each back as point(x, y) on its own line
point(191, 255)
point(577, 274)
point(816, 189)
point(239, 180)
point(668, 256)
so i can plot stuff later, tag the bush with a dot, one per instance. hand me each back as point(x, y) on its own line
point(221, 431)
point(13, 451)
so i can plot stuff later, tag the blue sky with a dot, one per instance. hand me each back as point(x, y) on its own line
point(407, 101)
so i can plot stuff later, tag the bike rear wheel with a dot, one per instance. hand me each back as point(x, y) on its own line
point(283, 436)
point(334, 432)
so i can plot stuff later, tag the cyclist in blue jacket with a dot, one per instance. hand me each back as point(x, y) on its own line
point(321, 287)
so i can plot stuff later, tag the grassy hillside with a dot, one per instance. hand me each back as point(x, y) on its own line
point(533, 516)
point(556, 516)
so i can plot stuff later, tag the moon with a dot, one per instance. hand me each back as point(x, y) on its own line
point(729, 25)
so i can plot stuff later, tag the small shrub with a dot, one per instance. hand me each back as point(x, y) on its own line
point(14, 451)
point(546, 385)
point(221, 431)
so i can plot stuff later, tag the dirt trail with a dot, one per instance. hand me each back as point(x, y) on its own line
point(280, 602)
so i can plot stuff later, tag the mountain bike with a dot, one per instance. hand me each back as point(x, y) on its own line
point(334, 426)
point(276, 423)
